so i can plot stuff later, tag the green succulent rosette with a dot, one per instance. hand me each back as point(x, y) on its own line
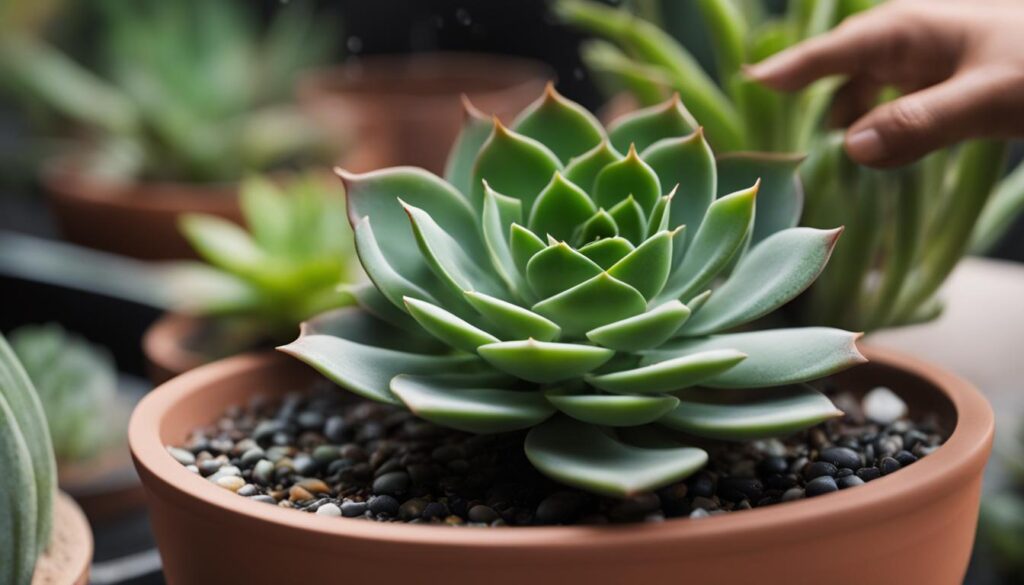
point(593, 286)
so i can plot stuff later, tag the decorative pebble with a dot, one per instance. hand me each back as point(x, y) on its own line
point(869, 473)
point(819, 469)
point(795, 493)
point(351, 509)
point(849, 481)
point(889, 465)
point(328, 509)
point(482, 514)
point(182, 456)
point(905, 458)
point(392, 484)
point(841, 457)
point(384, 505)
point(883, 406)
point(231, 482)
point(821, 485)
point(299, 494)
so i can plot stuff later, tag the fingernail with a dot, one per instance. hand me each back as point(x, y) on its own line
point(757, 71)
point(865, 145)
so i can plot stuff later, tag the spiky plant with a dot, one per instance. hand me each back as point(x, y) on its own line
point(28, 482)
point(77, 384)
point(579, 284)
point(906, 230)
point(287, 267)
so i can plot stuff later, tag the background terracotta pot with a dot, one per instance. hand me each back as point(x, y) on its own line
point(66, 561)
point(167, 354)
point(407, 107)
point(132, 219)
point(915, 526)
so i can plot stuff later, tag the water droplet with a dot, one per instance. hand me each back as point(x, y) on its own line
point(463, 17)
point(354, 44)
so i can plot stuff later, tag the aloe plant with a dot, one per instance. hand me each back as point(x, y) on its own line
point(29, 480)
point(585, 284)
point(187, 91)
point(76, 382)
point(884, 274)
point(287, 267)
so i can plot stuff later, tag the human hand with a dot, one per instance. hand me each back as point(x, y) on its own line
point(959, 64)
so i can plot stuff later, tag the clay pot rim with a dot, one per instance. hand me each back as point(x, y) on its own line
point(962, 455)
point(511, 74)
point(162, 343)
point(69, 519)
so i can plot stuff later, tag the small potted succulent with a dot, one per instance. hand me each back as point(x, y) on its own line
point(87, 415)
point(44, 538)
point(882, 275)
point(287, 267)
point(402, 106)
point(572, 328)
point(191, 97)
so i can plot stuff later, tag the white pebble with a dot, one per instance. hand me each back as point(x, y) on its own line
point(699, 513)
point(193, 469)
point(329, 509)
point(231, 482)
point(883, 406)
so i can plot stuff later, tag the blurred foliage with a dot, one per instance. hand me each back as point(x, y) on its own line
point(77, 383)
point(190, 90)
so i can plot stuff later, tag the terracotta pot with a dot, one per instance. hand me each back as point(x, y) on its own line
point(132, 219)
point(915, 526)
point(167, 354)
point(66, 561)
point(407, 107)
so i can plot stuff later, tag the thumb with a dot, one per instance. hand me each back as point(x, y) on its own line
point(904, 130)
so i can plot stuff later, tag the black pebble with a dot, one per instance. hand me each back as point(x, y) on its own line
point(384, 505)
point(435, 510)
point(392, 484)
point(819, 469)
point(305, 465)
point(889, 465)
point(482, 514)
point(821, 485)
point(310, 420)
point(869, 473)
point(905, 458)
point(738, 488)
point(772, 465)
point(849, 481)
point(354, 509)
point(558, 508)
point(701, 486)
point(334, 429)
point(841, 457)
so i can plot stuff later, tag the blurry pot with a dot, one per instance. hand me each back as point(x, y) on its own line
point(407, 108)
point(105, 486)
point(132, 219)
point(175, 343)
point(66, 560)
point(914, 526)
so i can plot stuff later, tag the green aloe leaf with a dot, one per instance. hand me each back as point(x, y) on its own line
point(513, 164)
point(544, 361)
point(367, 370)
point(613, 410)
point(223, 243)
point(448, 257)
point(582, 456)
point(772, 274)
point(558, 268)
point(476, 127)
point(583, 169)
point(672, 374)
point(524, 245)
point(600, 225)
point(629, 176)
point(616, 72)
point(466, 405)
point(780, 199)
point(717, 241)
point(500, 212)
point(750, 414)
point(590, 304)
point(686, 161)
point(644, 127)
point(515, 320)
point(565, 127)
point(447, 327)
point(560, 208)
point(728, 33)
point(630, 219)
point(607, 251)
point(776, 356)
point(643, 331)
point(646, 268)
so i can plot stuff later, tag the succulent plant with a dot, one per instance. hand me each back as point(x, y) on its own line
point(29, 480)
point(187, 91)
point(287, 266)
point(1001, 525)
point(582, 284)
point(882, 275)
point(76, 382)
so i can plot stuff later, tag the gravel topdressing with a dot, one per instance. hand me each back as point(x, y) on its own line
point(324, 452)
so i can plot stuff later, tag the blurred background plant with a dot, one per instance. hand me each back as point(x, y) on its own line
point(77, 384)
point(905, 230)
point(288, 266)
point(1001, 529)
point(189, 90)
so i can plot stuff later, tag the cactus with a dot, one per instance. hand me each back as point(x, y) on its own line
point(29, 480)
point(285, 268)
point(585, 285)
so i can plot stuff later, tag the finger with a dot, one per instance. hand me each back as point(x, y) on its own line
point(907, 128)
point(859, 43)
point(854, 99)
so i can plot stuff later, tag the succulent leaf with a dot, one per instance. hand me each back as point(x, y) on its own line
point(583, 169)
point(600, 225)
point(779, 199)
point(564, 126)
point(582, 456)
point(559, 208)
point(644, 331)
point(447, 327)
point(590, 304)
point(512, 164)
point(499, 213)
point(629, 219)
point(672, 374)
point(646, 267)
point(607, 251)
point(629, 176)
point(476, 128)
point(558, 268)
point(544, 361)
point(643, 128)
point(687, 165)
point(515, 320)
point(613, 410)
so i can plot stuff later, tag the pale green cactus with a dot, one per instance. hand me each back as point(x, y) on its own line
point(28, 482)
point(582, 284)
